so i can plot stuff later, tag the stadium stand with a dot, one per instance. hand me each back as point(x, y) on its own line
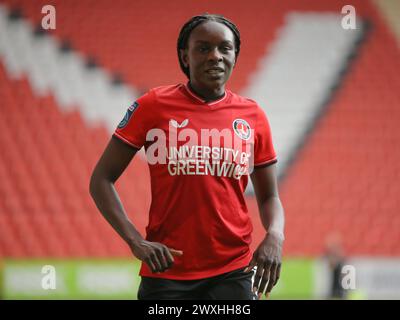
point(343, 186)
point(45, 207)
point(390, 9)
point(343, 179)
point(292, 81)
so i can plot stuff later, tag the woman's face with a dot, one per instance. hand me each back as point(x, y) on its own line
point(210, 55)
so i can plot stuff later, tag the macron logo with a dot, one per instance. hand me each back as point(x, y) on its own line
point(175, 123)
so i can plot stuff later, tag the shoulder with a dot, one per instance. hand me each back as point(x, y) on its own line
point(156, 97)
point(236, 98)
point(166, 91)
point(247, 102)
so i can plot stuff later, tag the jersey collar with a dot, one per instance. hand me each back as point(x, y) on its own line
point(195, 96)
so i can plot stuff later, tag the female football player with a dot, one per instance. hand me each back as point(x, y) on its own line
point(202, 143)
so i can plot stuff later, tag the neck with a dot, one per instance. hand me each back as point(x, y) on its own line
point(208, 94)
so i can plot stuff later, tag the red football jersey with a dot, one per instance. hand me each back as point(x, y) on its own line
point(199, 155)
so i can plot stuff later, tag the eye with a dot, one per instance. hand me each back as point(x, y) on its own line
point(226, 49)
point(203, 49)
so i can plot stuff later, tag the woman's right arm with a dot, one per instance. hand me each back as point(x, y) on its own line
point(109, 168)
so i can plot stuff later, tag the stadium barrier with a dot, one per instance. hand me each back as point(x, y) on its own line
point(115, 279)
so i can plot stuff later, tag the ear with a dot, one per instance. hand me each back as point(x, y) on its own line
point(184, 57)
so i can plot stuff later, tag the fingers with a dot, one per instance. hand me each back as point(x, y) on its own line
point(169, 256)
point(166, 257)
point(156, 262)
point(266, 277)
point(272, 278)
point(176, 253)
point(161, 255)
point(251, 265)
point(278, 274)
point(161, 258)
point(150, 264)
point(258, 276)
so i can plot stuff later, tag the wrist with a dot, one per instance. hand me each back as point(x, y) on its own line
point(276, 234)
point(134, 241)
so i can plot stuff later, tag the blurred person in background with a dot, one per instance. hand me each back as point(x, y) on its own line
point(197, 243)
point(336, 260)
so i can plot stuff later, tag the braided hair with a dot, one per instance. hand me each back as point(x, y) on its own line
point(190, 25)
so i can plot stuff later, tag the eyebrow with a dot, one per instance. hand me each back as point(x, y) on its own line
point(207, 42)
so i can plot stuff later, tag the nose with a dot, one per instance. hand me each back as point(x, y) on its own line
point(215, 55)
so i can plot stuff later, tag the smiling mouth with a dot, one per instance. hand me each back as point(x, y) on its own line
point(215, 71)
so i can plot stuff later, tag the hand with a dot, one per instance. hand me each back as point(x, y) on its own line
point(156, 255)
point(268, 259)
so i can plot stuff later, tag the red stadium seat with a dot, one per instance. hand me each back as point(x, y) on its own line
point(344, 182)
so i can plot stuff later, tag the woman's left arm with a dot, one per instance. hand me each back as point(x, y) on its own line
point(268, 255)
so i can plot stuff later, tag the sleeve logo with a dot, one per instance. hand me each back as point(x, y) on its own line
point(242, 129)
point(128, 115)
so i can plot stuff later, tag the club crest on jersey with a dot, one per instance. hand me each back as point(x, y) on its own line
point(128, 115)
point(175, 123)
point(241, 128)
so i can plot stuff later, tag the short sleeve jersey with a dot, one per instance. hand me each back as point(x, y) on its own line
point(200, 155)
